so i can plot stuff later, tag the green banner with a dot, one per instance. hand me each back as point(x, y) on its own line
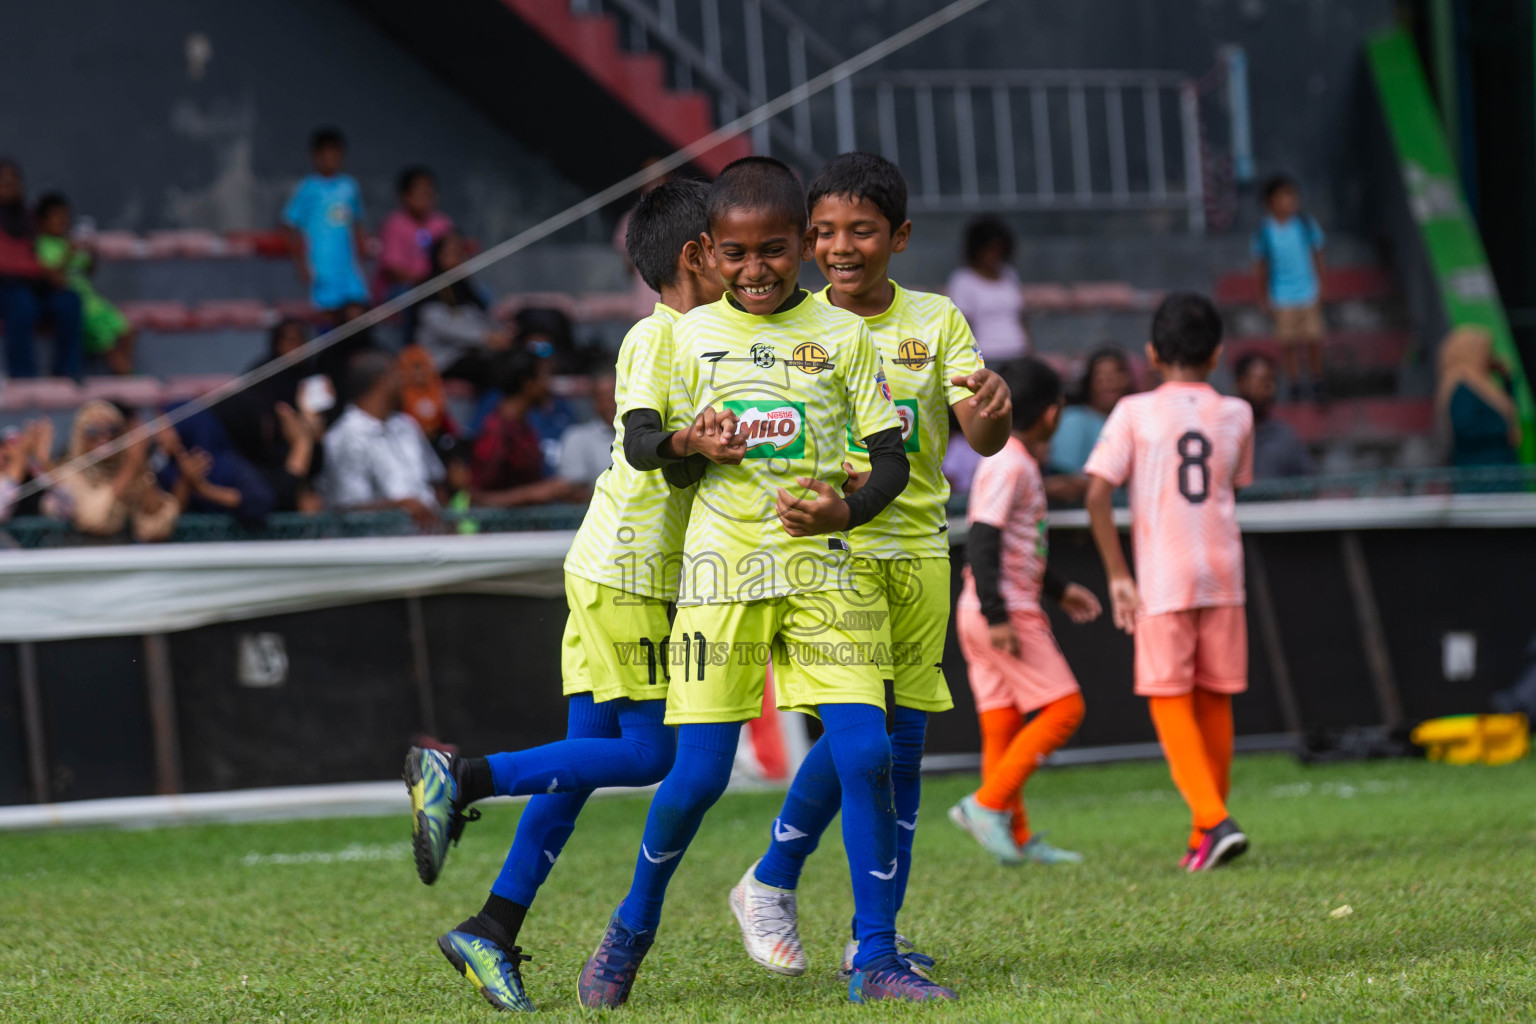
point(1467, 290)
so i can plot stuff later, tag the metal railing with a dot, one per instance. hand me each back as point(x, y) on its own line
point(1039, 140)
point(1098, 141)
point(41, 532)
point(741, 54)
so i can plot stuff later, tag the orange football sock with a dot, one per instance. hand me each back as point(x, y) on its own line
point(1002, 789)
point(1188, 763)
point(998, 728)
point(1213, 715)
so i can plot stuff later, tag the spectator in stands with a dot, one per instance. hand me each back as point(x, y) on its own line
point(508, 465)
point(586, 450)
point(1106, 379)
point(547, 334)
point(276, 424)
point(1277, 451)
point(25, 455)
point(335, 360)
point(1473, 401)
point(375, 455)
point(988, 292)
point(455, 327)
point(117, 493)
point(204, 472)
point(106, 331)
point(408, 234)
point(29, 292)
point(324, 220)
point(1288, 266)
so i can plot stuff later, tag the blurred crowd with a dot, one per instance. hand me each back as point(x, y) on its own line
point(448, 407)
point(451, 407)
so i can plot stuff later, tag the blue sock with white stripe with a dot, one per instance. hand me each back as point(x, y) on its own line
point(705, 754)
point(814, 798)
point(548, 820)
point(861, 752)
point(640, 755)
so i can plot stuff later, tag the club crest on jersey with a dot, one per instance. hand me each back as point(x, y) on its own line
point(809, 357)
point(883, 384)
point(772, 430)
point(762, 356)
point(913, 353)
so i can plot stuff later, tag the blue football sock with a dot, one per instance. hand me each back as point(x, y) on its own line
point(705, 754)
point(548, 820)
point(907, 737)
point(814, 798)
point(862, 753)
point(639, 756)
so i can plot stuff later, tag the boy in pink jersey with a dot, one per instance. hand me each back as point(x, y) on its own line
point(1183, 450)
point(1014, 665)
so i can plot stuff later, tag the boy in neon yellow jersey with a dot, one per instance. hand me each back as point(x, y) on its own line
point(620, 576)
point(858, 209)
point(768, 569)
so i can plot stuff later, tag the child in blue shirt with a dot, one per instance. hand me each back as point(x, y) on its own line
point(1288, 261)
point(324, 218)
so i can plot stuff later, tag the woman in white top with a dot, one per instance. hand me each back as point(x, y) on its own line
point(987, 291)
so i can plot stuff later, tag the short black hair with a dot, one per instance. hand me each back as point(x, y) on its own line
point(48, 203)
point(366, 368)
point(1274, 183)
point(1035, 387)
point(665, 219)
point(864, 176)
point(327, 136)
point(985, 232)
point(1186, 329)
point(1248, 361)
point(758, 183)
point(409, 177)
point(514, 370)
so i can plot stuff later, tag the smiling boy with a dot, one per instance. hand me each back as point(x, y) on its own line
point(768, 569)
point(858, 209)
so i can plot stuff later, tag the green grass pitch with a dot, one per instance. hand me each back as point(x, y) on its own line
point(325, 920)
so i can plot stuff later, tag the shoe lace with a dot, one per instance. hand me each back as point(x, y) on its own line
point(774, 912)
point(511, 965)
point(458, 821)
point(616, 958)
point(906, 952)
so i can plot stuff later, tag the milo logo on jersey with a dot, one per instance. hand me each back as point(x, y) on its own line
point(911, 435)
point(773, 429)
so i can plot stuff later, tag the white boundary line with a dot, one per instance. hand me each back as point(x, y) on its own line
point(376, 799)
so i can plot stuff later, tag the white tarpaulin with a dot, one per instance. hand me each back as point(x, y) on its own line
point(131, 590)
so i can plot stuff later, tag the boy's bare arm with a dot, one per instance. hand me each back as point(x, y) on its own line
point(1123, 599)
point(299, 250)
point(987, 418)
point(1261, 278)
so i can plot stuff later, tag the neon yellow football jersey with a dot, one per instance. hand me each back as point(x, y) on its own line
point(923, 341)
point(631, 538)
point(796, 380)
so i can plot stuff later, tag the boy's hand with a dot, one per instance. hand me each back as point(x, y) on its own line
point(1002, 637)
point(1125, 602)
point(855, 479)
point(1080, 604)
point(808, 517)
point(713, 435)
point(992, 399)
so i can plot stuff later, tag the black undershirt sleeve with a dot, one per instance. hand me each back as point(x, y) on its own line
point(888, 472)
point(984, 551)
point(1054, 585)
point(644, 440)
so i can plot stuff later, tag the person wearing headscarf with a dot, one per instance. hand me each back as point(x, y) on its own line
point(115, 494)
point(1473, 403)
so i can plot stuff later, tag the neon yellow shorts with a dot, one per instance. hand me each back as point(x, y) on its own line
point(823, 647)
point(614, 643)
point(916, 591)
